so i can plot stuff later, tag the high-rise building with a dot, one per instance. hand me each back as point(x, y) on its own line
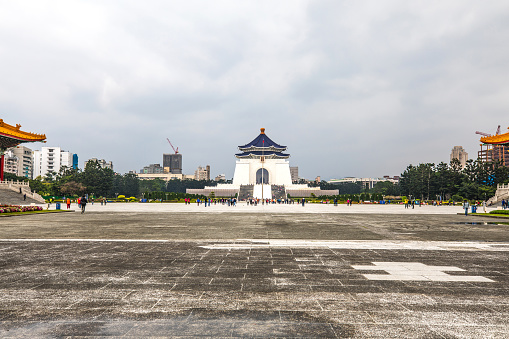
point(75, 161)
point(172, 163)
point(459, 153)
point(294, 173)
point(202, 173)
point(50, 159)
point(103, 163)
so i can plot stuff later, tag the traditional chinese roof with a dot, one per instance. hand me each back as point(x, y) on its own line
point(262, 145)
point(11, 136)
point(499, 139)
point(262, 141)
point(266, 155)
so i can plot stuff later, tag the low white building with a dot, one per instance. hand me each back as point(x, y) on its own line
point(164, 176)
point(367, 183)
point(103, 163)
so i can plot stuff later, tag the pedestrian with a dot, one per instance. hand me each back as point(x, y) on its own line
point(83, 203)
point(413, 204)
point(303, 201)
point(68, 201)
point(466, 205)
point(335, 201)
point(24, 197)
point(503, 204)
point(20, 190)
point(79, 202)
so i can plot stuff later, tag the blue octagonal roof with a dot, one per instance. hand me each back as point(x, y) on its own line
point(262, 141)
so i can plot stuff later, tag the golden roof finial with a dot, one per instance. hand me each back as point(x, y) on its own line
point(262, 130)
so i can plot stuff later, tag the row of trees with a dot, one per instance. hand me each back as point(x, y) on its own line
point(93, 180)
point(427, 181)
point(97, 181)
point(477, 181)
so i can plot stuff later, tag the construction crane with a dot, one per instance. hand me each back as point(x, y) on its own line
point(174, 150)
point(488, 135)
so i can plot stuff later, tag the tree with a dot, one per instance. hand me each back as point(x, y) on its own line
point(72, 188)
point(96, 179)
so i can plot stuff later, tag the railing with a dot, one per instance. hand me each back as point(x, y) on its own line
point(11, 183)
point(503, 186)
point(24, 186)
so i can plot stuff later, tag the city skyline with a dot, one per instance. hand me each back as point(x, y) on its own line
point(343, 85)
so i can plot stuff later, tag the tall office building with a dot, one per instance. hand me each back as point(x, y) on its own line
point(50, 159)
point(459, 153)
point(172, 163)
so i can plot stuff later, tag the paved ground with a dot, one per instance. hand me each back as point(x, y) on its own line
point(267, 271)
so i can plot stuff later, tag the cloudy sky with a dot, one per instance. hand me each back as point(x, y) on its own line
point(353, 88)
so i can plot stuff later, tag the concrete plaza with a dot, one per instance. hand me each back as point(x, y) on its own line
point(171, 270)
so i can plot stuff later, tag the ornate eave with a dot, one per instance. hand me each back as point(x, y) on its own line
point(265, 156)
point(500, 139)
point(262, 149)
point(11, 136)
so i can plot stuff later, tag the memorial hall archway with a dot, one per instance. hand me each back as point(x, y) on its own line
point(259, 176)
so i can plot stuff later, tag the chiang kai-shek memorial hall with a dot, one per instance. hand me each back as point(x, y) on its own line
point(262, 171)
point(11, 136)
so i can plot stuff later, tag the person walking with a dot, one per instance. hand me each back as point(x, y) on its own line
point(83, 204)
point(68, 201)
point(24, 197)
point(466, 205)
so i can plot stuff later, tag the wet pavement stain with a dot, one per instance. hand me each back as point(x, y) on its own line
point(198, 322)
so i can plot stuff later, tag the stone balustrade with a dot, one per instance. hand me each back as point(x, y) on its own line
point(23, 185)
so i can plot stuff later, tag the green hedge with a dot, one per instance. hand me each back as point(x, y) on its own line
point(500, 212)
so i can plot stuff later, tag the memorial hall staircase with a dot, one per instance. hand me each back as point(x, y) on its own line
point(245, 192)
point(10, 194)
point(278, 192)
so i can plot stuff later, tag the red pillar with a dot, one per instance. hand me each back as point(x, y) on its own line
point(2, 168)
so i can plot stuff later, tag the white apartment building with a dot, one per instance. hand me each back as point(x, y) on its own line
point(50, 159)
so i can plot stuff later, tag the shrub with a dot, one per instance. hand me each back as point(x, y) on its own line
point(500, 212)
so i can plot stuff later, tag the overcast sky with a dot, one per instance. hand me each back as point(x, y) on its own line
point(353, 88)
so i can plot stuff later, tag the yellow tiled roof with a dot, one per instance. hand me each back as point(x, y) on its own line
point(496, 139)
point(15, 132)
